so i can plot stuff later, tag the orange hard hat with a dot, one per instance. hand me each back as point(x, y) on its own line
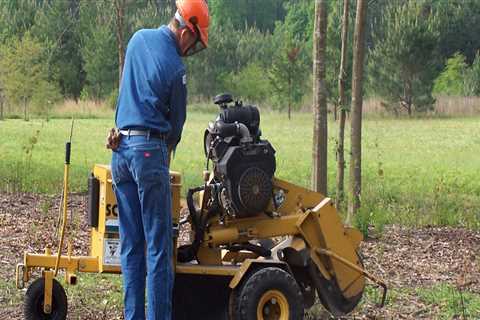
point(196, 17)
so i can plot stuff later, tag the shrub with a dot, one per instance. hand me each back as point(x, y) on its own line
point(250, 83)
point(451, 80)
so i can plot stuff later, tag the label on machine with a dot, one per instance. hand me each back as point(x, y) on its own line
point(111, 225)
point(111, 252)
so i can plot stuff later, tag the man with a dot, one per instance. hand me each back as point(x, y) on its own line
point(150, 115)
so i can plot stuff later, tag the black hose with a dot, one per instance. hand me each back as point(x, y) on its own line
point(188, 252)
point(261, 251)
point(191, 207)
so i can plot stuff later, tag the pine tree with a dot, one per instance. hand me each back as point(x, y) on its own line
point(57, 27)
point(472, 78)
point(98, 49)
point(451, 80)
point(23, 73)
point(287, 77)
point(404, 62)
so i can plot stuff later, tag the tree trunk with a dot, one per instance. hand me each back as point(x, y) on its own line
point(320, 133)
point(120, 26)
point(406, 101)
point(25, 109)
point(356, 117)
point(342, 106)
point(409, 97)
point(1, 104)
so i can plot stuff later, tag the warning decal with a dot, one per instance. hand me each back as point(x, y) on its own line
point(111, 252)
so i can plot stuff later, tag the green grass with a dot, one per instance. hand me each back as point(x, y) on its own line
point(99, 293)
point(415, 172)
point(11, 296)
point(451, 303)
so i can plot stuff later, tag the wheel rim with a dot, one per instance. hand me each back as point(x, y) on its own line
point(273, 305)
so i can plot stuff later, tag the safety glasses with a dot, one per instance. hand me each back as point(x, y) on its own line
point(197, 46)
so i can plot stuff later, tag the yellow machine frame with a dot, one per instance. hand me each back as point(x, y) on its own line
point(309, 218)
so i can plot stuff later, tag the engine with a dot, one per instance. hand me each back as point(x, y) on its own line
point(243, 163)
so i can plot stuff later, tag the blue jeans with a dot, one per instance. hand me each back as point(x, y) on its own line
point(142, 187)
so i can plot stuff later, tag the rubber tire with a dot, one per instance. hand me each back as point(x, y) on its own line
point(33, 305)
point(244, 299)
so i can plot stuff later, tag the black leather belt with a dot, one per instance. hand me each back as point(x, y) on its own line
point(145, 133)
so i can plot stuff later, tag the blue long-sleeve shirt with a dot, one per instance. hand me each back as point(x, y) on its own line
point(153, 93)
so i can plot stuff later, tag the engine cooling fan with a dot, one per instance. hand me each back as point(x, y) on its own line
point(254, 189)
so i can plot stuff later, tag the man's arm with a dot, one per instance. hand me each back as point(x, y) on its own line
point(177, 112)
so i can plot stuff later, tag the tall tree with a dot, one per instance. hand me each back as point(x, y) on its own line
point(320, 131)
point(56, 25)
point(120, 33)
point(451, 81)
point(287, 77)
point(17, 17)
point(356, 115)
point(334, 54)
point(131, 15)
point(342, 77)
point(405, 61)
point(459, 27)
point(98, 49)
point(472, 78)
point(23, 73)
point(244, 14)
point(287, 69)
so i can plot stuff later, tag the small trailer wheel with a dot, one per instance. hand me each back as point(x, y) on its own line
point(33, 306)
point(268, 294)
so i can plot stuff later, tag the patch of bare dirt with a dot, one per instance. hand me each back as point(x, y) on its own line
point(411, 259)
point(426, 256)
point(405, 258)
point(28, 223)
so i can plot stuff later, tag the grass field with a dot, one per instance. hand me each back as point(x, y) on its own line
point(415, 172)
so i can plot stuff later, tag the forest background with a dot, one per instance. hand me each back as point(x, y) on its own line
point(419, 53)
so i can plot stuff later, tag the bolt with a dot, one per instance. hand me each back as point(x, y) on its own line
point(274, 301)
point(48, 308)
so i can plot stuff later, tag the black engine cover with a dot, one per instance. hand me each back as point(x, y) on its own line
point(243, 163)
point(246, 172)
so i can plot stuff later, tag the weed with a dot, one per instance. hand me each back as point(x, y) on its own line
point(11, 296)
point(362, 221)
point(46, 205)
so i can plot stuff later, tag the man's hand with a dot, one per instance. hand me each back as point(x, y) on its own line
point(113, 139)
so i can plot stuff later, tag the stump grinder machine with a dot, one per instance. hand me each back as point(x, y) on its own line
point(260, 247)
